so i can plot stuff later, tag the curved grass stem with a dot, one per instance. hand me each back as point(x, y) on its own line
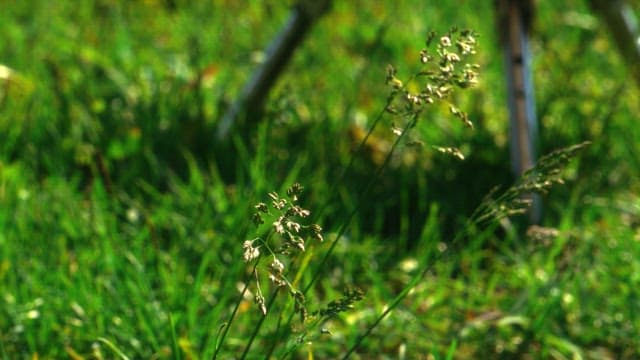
point(258, 326)
point(365, 191)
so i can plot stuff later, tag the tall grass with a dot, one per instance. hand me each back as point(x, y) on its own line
point(121, 225)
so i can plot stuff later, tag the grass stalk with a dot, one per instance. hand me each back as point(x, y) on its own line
point(344, 226)
point(258, 326)
point(352, 158)
point(365, 191)
point(229, 322)
point(174, 340)
point(545, 173)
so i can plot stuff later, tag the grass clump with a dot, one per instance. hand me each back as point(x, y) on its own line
point(123, 231)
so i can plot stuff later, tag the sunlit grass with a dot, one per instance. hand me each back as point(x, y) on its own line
point(122, 222)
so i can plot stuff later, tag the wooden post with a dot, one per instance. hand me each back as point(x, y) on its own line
point(248, 107)
point(514, 18)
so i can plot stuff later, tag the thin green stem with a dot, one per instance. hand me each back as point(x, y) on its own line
point(484, 213)
point(365, 191)
point(381, 317)
point(235, 310)
point(277, 336)
point(174, 339)
point(358, 150)
point(256, 330)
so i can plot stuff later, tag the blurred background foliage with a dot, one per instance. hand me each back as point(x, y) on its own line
point(125, 89)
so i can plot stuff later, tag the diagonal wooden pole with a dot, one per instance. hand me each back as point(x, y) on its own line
point(623, 24)
point(249, 105)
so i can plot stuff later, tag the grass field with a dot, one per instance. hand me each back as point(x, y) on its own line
point(124, 222)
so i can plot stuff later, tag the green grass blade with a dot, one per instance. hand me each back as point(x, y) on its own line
point(113, 348)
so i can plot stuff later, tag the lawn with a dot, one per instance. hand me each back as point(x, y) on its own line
point(128, 230)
